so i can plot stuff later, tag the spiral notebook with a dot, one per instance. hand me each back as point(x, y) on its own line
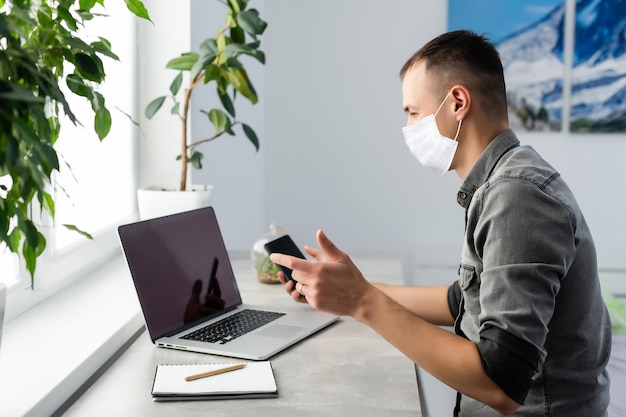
point(255, 380)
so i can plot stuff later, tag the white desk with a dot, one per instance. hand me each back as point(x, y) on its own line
point(345, 370)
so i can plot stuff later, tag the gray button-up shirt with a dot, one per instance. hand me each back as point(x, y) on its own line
point(529, 293)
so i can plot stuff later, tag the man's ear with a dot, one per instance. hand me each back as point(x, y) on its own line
point(462, 101)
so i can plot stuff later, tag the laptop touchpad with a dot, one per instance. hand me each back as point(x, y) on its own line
point(280, 330)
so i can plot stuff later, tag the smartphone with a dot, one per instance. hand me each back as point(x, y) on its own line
point(287, 246)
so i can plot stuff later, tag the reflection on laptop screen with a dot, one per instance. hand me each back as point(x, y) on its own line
point(180, 268)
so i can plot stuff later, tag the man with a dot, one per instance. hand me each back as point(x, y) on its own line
point(532, 332)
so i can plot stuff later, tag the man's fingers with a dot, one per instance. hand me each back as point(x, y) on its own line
point(289, 261)
point(333, 252)
point(317, 254)
point(290, 287)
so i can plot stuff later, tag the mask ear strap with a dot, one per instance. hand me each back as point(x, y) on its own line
point(458, 129)
point(442, 103)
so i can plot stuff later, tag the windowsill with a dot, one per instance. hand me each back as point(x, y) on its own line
point(50, 351)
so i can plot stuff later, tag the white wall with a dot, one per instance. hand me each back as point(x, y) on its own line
point(167, 37)
point(333, 156)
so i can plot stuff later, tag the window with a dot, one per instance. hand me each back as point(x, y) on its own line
point(95, 188)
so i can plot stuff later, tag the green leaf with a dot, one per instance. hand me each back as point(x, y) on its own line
point(65, 15)
point(196, 159)
point(77, 85)
point(103, 46)
point(89, 66)
point(184, 62)
point(31, 233)
point(77, 230)
point(251, 135)
point(237, 35)
point(176, 83)
point(260, 56)
point(137, 7)
point(239, 80)
point(45, 20)
point(31, 259)
point(234, 63)
point(47, 202)
point(97, 101)
point(175, 108)
point(86, 5)
point(78, 43)
point(250, 21)
point(234, 48)
point(208, 46)
point(14, 240)
point(227, 103)
point(50, 160)
point(30, 252)
point(218, 118)
point(102, 122)
point(205, 61)
point(211, 72)
point(154, 106)
point(229, 129)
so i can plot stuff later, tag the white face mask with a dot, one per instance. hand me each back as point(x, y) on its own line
point(428, 145)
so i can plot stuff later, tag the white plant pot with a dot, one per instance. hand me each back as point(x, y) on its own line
point(156, 201)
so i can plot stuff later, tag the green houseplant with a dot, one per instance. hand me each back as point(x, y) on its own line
point(41, 49)
point(217, 62)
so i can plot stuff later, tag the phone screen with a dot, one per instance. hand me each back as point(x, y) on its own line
point(287, 246)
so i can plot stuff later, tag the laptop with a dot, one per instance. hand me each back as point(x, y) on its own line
point(188, 292)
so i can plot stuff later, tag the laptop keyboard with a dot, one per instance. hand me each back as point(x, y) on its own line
point(231, 327)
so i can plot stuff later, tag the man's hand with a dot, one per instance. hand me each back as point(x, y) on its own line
point(330, 283)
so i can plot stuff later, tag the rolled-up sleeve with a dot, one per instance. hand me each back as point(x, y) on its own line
point(454, 299)
point(525, 240)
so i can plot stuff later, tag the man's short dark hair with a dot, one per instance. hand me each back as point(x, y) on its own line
point(463, 57)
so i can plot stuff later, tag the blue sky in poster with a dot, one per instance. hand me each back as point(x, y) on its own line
point(497, 18)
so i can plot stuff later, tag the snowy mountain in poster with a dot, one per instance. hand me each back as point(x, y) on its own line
point(598, 100)
point(598, 77)
point(533, 68)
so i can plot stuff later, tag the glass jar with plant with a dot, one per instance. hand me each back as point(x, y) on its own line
point(266, 270)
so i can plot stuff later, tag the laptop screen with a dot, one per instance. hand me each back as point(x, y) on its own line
point(180, 268)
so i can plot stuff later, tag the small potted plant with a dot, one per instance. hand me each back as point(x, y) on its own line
point(217, 62)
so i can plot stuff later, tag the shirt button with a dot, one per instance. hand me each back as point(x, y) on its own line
point(462, 195)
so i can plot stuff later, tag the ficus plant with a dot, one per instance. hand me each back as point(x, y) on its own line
point(217, 62)
point(43, 57)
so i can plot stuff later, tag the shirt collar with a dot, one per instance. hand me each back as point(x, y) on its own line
point(485, 165)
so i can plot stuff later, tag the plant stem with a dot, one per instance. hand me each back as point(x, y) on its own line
point(217, 135)
point(184, 157)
